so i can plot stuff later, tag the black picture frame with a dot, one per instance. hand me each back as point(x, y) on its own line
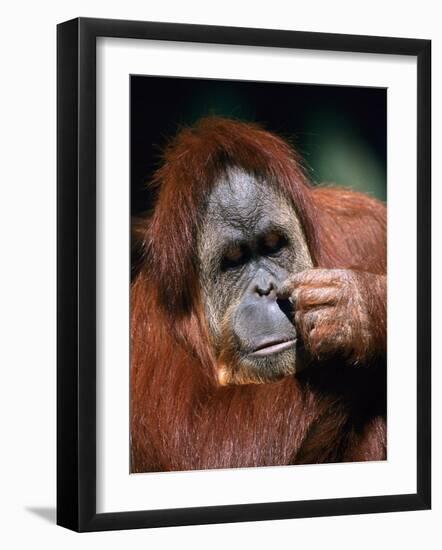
point(76, 273)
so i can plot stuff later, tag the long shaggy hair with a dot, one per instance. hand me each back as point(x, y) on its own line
point(180, 418)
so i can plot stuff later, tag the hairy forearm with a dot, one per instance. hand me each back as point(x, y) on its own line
point(374, 293)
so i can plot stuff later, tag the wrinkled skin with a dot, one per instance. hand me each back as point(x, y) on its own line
point(250, 243)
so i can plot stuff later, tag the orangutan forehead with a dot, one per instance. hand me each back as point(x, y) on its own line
point(243, 203)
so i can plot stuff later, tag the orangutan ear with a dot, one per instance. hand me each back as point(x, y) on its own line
point(138, 237)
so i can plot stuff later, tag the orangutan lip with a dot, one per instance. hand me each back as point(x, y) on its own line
point(274, 347)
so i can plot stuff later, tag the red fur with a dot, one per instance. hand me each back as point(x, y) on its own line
point(180, 418)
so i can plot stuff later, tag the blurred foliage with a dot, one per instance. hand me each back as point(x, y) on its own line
point(340, 154)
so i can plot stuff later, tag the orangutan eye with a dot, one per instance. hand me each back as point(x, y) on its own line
point(234, 256)
point(273, 242)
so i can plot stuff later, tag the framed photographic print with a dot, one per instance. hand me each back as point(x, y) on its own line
point(243, 233)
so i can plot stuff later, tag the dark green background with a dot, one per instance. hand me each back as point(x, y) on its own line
point(340, 131)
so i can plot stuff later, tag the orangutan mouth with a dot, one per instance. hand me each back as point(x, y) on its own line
point(274, 346)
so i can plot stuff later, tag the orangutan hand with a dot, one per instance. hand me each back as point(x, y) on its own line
point(339, 313)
